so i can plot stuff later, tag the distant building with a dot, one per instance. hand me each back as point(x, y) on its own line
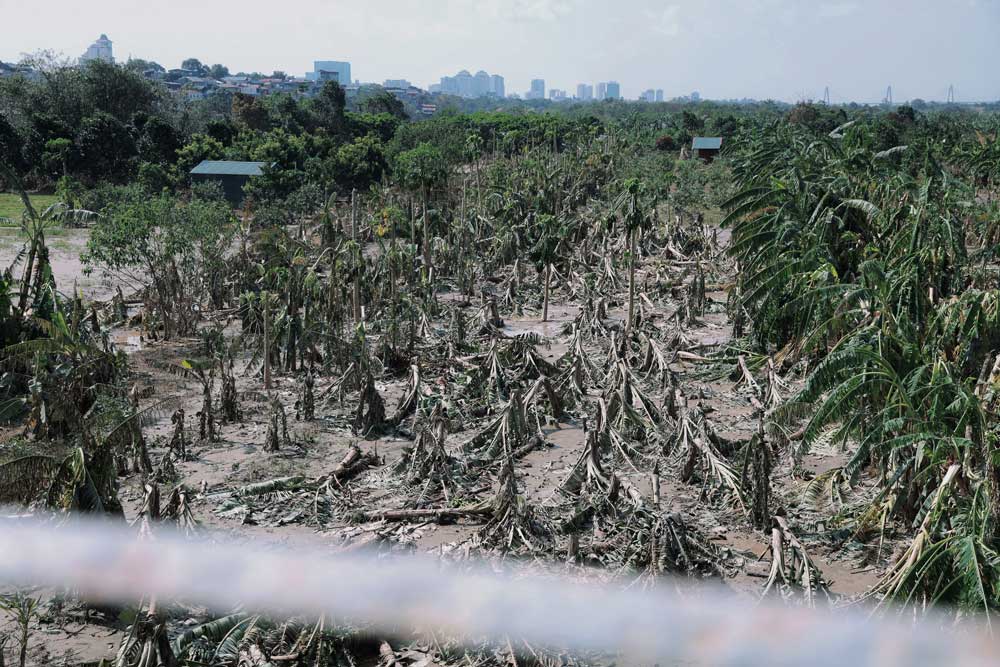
point(428, 109)
point(602, 90)
point(334, 70)
point(557, 95)
point(648, 95)
point(696, 96)
point(498, 86)
point(464, 84)
point(613, 91)
point(460, 84)
point(232, 176)
point(197, 87)
point(396, 83)
point(99, 50)
point(409, 94)
point(706, 148)
point(6, 69)
point(659, 94)
point(537, 91)
point(481, 84)
point(584, 92)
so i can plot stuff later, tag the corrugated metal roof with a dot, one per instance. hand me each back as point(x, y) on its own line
point(707, 143)
point(229, 168)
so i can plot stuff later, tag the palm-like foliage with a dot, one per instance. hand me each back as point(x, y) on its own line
point(851, 261)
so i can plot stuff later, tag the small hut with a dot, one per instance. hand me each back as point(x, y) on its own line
point(231, 175)
point(706, 148)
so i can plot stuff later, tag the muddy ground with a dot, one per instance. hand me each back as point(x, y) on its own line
point(66, 245)
point(216, 469)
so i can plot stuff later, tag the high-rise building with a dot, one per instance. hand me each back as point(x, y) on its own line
point(396, 83)
point(537, 91)
point(482, 85)
point(557, 95)
point(464, 84)
point(648, 95)
point(99, 50)
point(602, 90)
point(696, 96)
point(331, 70)
point(614, 91)
point(584, 92)
point(659, 94)
point(497, 86)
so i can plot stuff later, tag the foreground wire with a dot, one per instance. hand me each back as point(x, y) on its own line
point(107, 562)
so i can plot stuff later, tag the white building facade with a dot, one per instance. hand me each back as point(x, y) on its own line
point(99, 50)
point(336, 70)
point(464, 84)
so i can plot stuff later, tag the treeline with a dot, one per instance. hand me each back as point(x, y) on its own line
point(76, 130)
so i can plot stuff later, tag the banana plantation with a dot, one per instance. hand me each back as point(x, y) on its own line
point(543, 341)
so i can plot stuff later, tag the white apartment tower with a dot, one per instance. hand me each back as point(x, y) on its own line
point(99, 50)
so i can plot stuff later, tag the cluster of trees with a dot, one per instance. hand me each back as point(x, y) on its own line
point(78, 127)
point(91, 123)
point(867, 248)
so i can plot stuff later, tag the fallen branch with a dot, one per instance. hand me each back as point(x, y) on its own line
point(429, 514)
point(353, 463)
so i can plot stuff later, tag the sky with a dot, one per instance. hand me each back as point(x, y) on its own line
point(765, 49)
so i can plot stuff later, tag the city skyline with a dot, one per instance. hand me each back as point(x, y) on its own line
point(765, 49)
point(463, 84)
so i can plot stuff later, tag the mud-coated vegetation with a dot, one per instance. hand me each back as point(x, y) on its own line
point(555, 340)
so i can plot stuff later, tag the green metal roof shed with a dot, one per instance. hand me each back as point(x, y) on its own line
point(707, 143)
point(706, 148)
point(231, 175)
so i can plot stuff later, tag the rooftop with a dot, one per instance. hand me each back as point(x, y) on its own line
point(706, 143)
point(229, 168)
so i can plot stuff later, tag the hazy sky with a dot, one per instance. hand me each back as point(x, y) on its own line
point(781, 49)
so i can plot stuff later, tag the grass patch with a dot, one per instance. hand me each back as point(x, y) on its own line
point(12, 207)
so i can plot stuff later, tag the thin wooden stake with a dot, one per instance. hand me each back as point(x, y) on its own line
point(359, 257)
point(655, 481)
point(267, 342)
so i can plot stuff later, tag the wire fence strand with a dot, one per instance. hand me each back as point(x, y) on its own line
point(706, 627)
